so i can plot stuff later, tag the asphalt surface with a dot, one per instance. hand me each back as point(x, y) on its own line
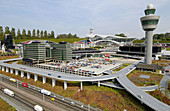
point(118, 86)
point(58, 102)
point(15, 102)
point(120, 76)
point(164, 82)
point(56, 74)
point(30, 99)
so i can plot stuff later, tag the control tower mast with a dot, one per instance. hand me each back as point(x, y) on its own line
point(91, 31)
point(149, 23)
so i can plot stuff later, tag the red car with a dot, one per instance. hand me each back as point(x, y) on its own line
point(25, 84)
point(167, 70)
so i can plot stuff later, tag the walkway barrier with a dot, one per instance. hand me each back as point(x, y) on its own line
point(66, 99)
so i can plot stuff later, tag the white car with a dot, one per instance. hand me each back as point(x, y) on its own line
point(9, 92)
point(11, 79)
point(38, 108)
point(43, 91)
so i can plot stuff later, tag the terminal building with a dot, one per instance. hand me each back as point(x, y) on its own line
point(97, 39)
point(41, 51)
point(138, 50)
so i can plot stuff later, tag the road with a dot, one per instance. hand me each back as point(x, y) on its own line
point(56, 74)
point(16, 102)
point(29, 99)
point(139, 93)
point(164, 82)
point(58, 102)
point(119, 75)
point(118, 86)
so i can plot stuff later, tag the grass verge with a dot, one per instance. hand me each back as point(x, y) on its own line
point(153, 80)
point(4, 106)
point(164, 63)
point(105, 98)
point(8, 57)
point(160, 96)
point(123, 66)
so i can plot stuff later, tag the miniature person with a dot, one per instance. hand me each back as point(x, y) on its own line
point(3, 48)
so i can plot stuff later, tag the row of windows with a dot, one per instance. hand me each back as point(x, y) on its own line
point(150, 22)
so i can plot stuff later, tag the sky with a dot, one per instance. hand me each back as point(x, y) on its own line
point(107, 17)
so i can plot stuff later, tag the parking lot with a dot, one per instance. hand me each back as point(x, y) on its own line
point(83, 67)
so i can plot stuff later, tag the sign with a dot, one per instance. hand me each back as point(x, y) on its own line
point(107, 55)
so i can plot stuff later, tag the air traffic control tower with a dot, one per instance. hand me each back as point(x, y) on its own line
point(149, 23)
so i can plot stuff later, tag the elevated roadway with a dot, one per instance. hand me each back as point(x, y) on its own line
point(55, 74)
point(120, 76)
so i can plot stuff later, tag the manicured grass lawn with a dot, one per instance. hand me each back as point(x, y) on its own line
point(8, 57)
point(104, 98)
point(153, 80)
point(161, 62)
point(70, 40)
point(123, 66)
point(160, 96)
point(4, 106)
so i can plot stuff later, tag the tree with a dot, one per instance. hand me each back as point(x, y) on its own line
point(7, 30)
point(121, 35)
point(156, 36)
point(18, 34)
point(33, 34)
point(167, 36)
point(52, 35)
point(49, 36)
point(62, 36)
point(29, 34)
point(23, 34)
point(38, 33)
point(45, 34)
point(75, 36)
point(13, 33)
point(1, 33)
point(70, 36)
point(142, 38)
point(42, 36)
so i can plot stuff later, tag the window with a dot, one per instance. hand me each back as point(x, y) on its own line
point(150, 22)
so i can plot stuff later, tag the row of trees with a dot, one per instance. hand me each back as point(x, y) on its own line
point(162, 37)
point(121, 35)
point(67, 36)
point(165, 36)
point(34, 34)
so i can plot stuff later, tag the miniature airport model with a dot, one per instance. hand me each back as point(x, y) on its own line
point(149, 23)
point(83, 70)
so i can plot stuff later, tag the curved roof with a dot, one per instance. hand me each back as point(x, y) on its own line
point(108, 40)
point(105, 36)
point(37, 41)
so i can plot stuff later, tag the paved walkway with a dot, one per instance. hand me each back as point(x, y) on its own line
point(119, 75)
point(164, 82)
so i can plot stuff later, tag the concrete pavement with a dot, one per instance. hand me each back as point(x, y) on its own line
point(119, 75)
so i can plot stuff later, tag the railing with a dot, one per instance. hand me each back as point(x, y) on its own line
point(66, 99)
